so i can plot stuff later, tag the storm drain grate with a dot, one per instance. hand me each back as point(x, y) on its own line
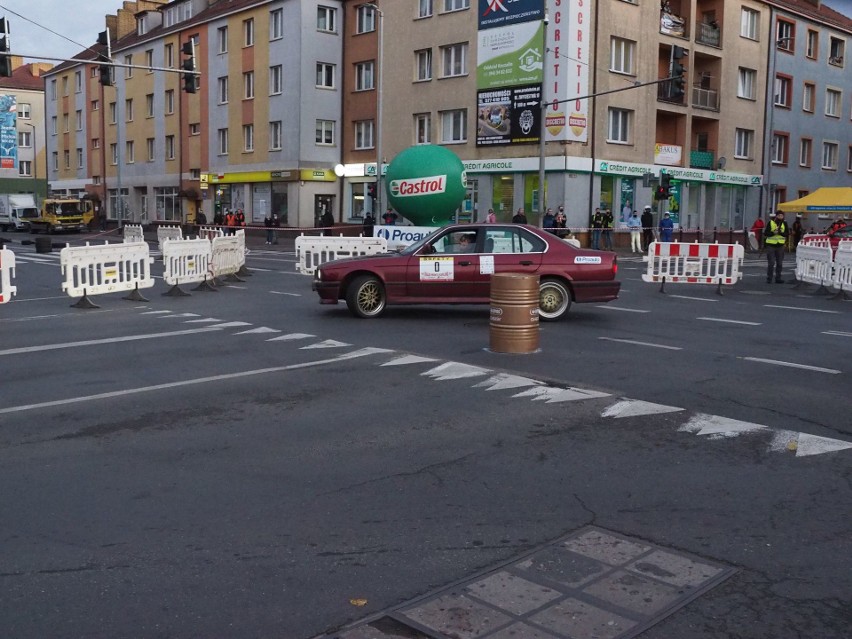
point(590, 583)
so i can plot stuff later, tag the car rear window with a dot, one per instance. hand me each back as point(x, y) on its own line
point(512, 241)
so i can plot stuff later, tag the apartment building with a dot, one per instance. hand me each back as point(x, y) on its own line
point(808, 142)
point(23, 168)
point(259, 133)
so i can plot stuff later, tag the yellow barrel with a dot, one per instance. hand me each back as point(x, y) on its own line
point(514, 313)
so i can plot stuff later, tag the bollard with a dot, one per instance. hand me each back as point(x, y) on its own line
point(514, 325)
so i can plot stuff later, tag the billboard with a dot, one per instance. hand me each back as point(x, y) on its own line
point(511, 55)
point(8, 132)
point(510, 115)
point(499, 13)
point(567, 71)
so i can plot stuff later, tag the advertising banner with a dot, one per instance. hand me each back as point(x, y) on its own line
point(668, 154)
point(499, 13)
point(510, 115)
point(8, 132)
point(511, 55)
point(567, 70)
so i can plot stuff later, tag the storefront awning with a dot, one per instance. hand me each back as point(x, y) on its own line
point(829, 200)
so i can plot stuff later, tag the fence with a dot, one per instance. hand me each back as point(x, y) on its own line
point(694, 264)
point(186, 261)
point(311, 251)
point(108, 268)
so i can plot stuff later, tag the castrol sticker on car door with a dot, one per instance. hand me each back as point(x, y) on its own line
point(436, 269)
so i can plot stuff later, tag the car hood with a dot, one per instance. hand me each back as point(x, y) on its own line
point(346, 262)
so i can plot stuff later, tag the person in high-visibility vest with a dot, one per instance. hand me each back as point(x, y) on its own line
point(775, 239)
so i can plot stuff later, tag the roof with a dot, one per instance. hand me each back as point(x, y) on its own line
point(824, 200)
point(822, 13)
point(23, 78)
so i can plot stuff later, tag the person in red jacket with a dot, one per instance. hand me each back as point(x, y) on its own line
point(757, 229)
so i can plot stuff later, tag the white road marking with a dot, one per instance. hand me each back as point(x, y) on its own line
point(191, 382)
point(689, 297)
point(329, 343)
point(206, 320)
point(156, 313)
point(718, 427)
point(455, 370)
point(636, 407)
point(638, 343)
point(290, 336)
point(258, 330)
point(837, 333)
point(108, 340)
point(502, 381)
point(232, 324)
point(180, 315)
point(552, 395)
point(282, 293)
point(728, 321)
point(408, 359)
point(816, 445)
point(621, 308)
point(776, 362)
point(799, 308)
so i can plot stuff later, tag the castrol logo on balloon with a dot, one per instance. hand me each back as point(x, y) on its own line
point(419, 186)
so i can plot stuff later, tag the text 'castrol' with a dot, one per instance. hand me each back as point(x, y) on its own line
point(419, 186)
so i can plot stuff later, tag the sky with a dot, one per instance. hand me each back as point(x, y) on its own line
point(44, 27)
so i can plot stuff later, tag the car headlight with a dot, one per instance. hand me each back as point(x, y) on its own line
point(318, 275)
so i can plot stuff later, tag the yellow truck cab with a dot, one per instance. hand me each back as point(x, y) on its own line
point(63, 215)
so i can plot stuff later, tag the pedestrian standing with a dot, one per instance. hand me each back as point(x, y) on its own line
point(647, 226)
point(757, 229)
point(666, 228)
point(597, 228)
point(241, 220)
point(390, 217)
point(491, 218)
point(775, 239)
point(327, 222)
point(276, 224)
point(548, 222)
point(608, 224)
point(267, 222)
point(369, 224)
point(798, 231)
point(635, 226)
point(519, 217)
point(231, 223)
point(561, 223)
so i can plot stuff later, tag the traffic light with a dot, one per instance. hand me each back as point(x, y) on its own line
point(678, 72)
point(188, 65)
point(5, 60)
point(661, 193)
point(105, 59)
point(371, 190)
point(666, 182)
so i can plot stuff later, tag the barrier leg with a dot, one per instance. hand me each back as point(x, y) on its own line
point(175, 291)
point(719, 287)
point(84, 302)
point(822, 290)
point(244, 271)
point(841, 295)
point(663, 285)
point(233, 277)
point(135, 296)
point(206, 286)
point(798, 284)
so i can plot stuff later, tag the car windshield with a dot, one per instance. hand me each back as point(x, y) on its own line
point(412, 248)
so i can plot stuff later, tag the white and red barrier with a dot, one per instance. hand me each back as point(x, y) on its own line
point(133, 233)
point(186, 261)
point(168, 233)
point(815, 239)
point(7, 272)
point(107, 268)
point(694, 263)
point(814, 263)
point(209, 232)
point(842, 278)
point(313, 250)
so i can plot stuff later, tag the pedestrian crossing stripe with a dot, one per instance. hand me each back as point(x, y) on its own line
point(408, 359)
point(329, 343)
point(504, 381)
point(554, 394)
point(290, 337)
point(636, 408)
point(455, 370)
point(718, 427)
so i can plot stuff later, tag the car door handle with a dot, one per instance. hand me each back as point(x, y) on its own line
point(465, 263)
point(525, 262)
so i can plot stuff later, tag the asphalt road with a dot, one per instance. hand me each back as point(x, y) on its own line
point(246, 463)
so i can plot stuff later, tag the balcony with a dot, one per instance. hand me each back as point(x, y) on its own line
point(709, 34)
point(667, 92)
point(704, 97)
point(702, 159)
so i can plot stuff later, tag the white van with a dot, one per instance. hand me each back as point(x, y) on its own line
point(15, 209)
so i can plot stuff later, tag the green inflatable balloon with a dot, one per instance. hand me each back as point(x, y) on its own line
point(426, 184)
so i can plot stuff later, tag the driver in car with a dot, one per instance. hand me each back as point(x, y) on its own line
point(467, 242)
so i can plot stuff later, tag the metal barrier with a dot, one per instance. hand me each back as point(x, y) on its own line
point(168, 233)
point(694, 264)
point(229, 255)
point(7, 272)
point(108, 268)
point(133, 233)
point(312, 250)
point(185, 262)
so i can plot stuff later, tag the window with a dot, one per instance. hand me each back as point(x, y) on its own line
point(785, 35)
point(78, 81)
point(745, 83)
point(130, 152)
point(276, 78)
point(621, 55)
point(170, 101)
point(149, 60)
point(65, 123)
point(327, 19)
point(113, 153)
point(222, 40)
point(783, 89)
point(750, 24)
point(454, 126)
point(618, 130)
point(195, 128)
point(833, 100)
point(325, 132)
point(248, 32)
point(456, 5)
point(53, 125)
point(808, 97)
point(55, 162)
point(276, 24)
point(222, 136)
point(454, 60)
point(95, 105)
point(25, 168)
point(149, 105)
point(780, 148)
point(128, 109)
point(25, 139)
point(248, 85)
point(364, 134)
point(67, 156)
point(149, 148)
point(275, 136)
point(422, 128)
point(325, 75)
point(170, 147)
point(812, 48)
point(805, 151)
point(829, 156)
point(424, 10)
point(743, 144)
point(113, 111)
point(78, 120)
point(423, 59)
point(222, 89)
point(64, 86)
point(365, 19)
point(365, 76)
point(128, 71)
point(96, 143)
point(836, 49)
point(24, 111)
point(849, 158)
point(53, 89)
point(248, 138)
point(169, 56)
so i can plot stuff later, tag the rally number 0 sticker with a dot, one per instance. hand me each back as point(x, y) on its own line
point(436, 269)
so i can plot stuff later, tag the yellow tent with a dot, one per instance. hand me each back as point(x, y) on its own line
point(827, 200)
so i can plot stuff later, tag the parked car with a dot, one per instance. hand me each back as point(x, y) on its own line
point(454, 266)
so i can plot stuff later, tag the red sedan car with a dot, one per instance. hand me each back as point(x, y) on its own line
point(454, 266)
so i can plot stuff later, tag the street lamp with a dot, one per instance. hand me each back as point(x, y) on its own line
point(769, 144)
point(543, 129)
point(379, 61)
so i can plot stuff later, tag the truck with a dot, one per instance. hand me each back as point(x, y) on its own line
point(62, 214)
point(16, 209)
